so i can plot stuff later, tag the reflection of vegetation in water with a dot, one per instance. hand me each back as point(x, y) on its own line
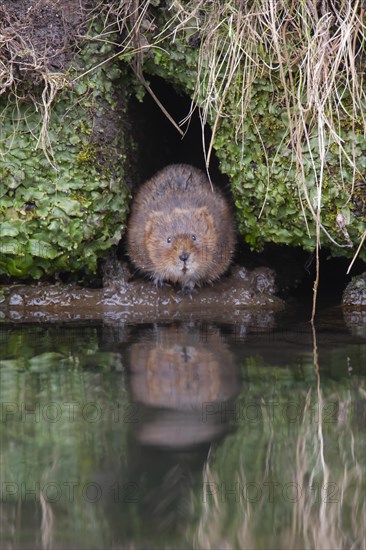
point(39, 349)
point(294, 471)
point(60, 411)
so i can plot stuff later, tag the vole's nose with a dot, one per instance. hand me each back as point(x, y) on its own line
point(184, 256)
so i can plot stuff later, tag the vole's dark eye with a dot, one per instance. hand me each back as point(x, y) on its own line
point(169, 240)
point(194, 238)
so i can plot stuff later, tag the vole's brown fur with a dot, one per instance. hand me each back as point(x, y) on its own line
point(180, 229)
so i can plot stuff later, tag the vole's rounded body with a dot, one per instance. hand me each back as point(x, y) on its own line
point(181, 229)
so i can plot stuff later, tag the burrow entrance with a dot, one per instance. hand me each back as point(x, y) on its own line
point(160, 144)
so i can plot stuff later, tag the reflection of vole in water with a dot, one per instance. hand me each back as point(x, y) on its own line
point(177, 368)
point(180, 230)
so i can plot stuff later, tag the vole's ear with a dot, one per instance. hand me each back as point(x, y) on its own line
point(154, 220)
point(148, 228)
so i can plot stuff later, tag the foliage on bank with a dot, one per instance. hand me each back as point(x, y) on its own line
point(63, 198)
point(281, 85)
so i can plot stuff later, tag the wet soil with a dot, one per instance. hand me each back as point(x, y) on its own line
point(38, 36)
point(140, 300)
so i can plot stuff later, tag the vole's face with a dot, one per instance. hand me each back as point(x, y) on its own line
point(181, 244)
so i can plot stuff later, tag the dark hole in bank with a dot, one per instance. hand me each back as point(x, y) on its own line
point(160, 144)
point(296, 273)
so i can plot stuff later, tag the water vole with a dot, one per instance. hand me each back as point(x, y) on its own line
point(180, 229)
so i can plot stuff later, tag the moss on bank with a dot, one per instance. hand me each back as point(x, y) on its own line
point(61, 210)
